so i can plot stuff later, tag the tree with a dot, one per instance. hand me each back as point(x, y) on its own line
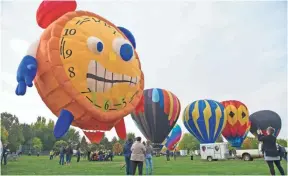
point(117, 148)
point(59, 144)
point(7, 120)
point(15, 138)
point(247, 144)
point(27, 132)
point(4, 134)
point(282, 142)
point(188, 142)
point(131, 136)
point(83, 144)
point(37, 144)
point(105, 144)
point(114, 140)
point(72, 136)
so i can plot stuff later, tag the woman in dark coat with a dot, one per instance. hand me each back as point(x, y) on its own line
point(271, 153)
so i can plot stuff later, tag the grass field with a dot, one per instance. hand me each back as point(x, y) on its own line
point(33, 165)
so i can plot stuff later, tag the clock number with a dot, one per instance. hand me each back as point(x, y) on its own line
point(70, 32)
point(68, 53)
point(106, 105)
point(124, 102)
point(71, 72)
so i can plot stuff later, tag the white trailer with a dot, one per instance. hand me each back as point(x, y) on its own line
point(214, 151)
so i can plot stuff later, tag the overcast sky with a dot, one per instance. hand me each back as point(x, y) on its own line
point(215, 50)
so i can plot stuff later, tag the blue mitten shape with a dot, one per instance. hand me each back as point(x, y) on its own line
point(26, 73)
point(63, 123)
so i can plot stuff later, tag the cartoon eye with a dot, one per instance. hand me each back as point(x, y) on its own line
point(123, 48)
point(95, 45)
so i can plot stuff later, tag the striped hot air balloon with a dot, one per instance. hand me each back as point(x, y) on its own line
point(156, 114)
point(205, 119)
point(173, 138)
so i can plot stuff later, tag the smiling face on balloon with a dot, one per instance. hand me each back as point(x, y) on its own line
point(100, 62)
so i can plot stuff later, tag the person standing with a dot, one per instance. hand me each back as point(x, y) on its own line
point(78, 155)
point(271, 154)
point(69, 153)
point(61, 153)
point(127, 154)
point(148, 158)
point(168, 155)
point(88, 155)
point(137, 156)
point(51, 154)
point(174, 154)
point(4, 154)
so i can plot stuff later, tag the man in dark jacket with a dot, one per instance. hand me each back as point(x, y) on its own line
point(271, 153)
point(127, 154)
point(4, 154)
point(61, 155)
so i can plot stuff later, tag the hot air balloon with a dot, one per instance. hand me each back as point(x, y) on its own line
point(85, 69)
point(156, 114)
point(173, 138)
point(238, 123)
point(205, 119)
point(263, 119)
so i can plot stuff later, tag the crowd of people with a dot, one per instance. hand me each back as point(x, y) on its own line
point(135, 154)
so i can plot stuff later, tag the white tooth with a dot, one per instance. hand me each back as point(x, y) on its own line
point(134, 80)
point(108, 76)
point(127, 78)
point(117, 76)
point(100, 73)
point(91, 83)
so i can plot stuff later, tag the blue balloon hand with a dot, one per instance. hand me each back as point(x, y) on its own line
point(25, 74)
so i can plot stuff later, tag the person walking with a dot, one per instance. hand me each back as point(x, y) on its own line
point(148, 158)
point(78, 155)
point(137, 156)
point(127, 154)
point(61, 155)
point(271, 154)
point(4, 154)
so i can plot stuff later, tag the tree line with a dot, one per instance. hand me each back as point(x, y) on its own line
point(38, 136)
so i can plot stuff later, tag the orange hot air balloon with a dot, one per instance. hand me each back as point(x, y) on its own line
point(85, 69)
point(238, 123)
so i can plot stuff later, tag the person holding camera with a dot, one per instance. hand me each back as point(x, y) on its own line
point(271, 153)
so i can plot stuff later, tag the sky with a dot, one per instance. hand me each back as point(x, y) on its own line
point(197, 50)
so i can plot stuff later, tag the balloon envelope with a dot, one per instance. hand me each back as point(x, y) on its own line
point(174, 137)
point(238, 123)
point(263, 119)
point(205, 119)
point(156, 114)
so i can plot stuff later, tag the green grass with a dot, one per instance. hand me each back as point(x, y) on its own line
point(33, 165)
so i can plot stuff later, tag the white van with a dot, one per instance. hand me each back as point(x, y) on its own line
point(214, 151)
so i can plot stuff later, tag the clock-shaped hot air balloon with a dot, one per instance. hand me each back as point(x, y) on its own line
point(238, 123)
point(156, 114)
point(85, 69)
point(205, 119)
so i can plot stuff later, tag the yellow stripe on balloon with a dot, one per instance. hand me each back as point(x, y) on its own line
point(195, 116)
point(224, 120)
point(207, 114)
point(171, 105)
point(218, 115)
point(242, 120)
point(178, 108)
point(186, 115)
